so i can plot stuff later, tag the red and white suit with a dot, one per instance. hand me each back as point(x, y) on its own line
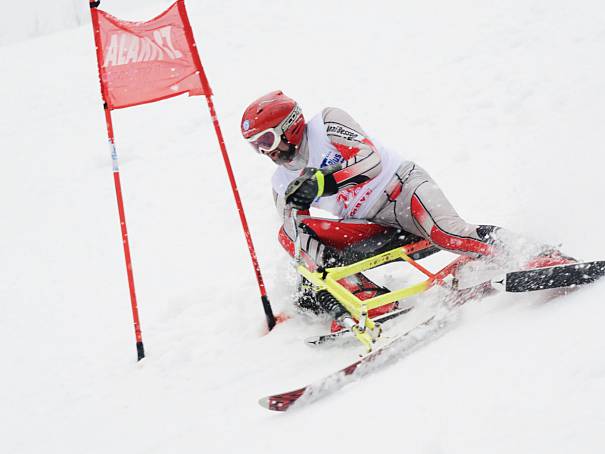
point(375, 184)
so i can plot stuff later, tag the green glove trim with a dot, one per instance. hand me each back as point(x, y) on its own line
point(319, 176)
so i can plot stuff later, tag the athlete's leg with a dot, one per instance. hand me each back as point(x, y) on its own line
point(414, 203)
point(438, 221)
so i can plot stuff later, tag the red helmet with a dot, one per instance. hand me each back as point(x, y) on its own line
point(269, 118)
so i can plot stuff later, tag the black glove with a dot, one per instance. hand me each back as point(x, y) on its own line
point(311, 184)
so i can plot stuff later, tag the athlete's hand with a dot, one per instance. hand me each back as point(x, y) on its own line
point(302, 191)
point(310, 185)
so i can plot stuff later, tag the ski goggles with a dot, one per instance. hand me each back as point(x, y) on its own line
point(268, 140)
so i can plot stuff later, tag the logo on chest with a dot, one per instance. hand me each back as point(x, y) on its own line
point(333, 157)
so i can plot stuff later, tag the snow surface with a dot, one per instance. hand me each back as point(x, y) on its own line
point(22, 20)
point(503, 102)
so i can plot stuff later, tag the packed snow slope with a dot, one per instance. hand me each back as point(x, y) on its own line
point(25, 20)
point(503, 102)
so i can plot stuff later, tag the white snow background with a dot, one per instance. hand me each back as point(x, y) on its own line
point(503, 102)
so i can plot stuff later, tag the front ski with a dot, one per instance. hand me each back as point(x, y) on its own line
point(334, 381)
point(402, 343)
point(331, 337)
point(558, 276)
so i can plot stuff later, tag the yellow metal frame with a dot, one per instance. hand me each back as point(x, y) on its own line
point(327, 279)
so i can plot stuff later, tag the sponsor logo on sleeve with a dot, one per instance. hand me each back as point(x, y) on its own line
point(338, 130)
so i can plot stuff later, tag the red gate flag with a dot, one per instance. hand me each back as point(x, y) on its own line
point(142, 62)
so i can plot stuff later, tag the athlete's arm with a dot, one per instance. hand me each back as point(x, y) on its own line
point(361, 159)
point(361, 162)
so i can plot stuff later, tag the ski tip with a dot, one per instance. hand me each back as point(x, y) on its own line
point(276, 403)
point(264, 402)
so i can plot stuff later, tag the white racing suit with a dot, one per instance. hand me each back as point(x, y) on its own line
point(375, 184)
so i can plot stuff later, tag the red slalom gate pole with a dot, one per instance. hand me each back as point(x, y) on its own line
point(118, 188)
point(242, 216)
point(219, 135)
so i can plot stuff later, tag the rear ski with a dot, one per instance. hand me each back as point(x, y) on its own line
point(558, 276)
